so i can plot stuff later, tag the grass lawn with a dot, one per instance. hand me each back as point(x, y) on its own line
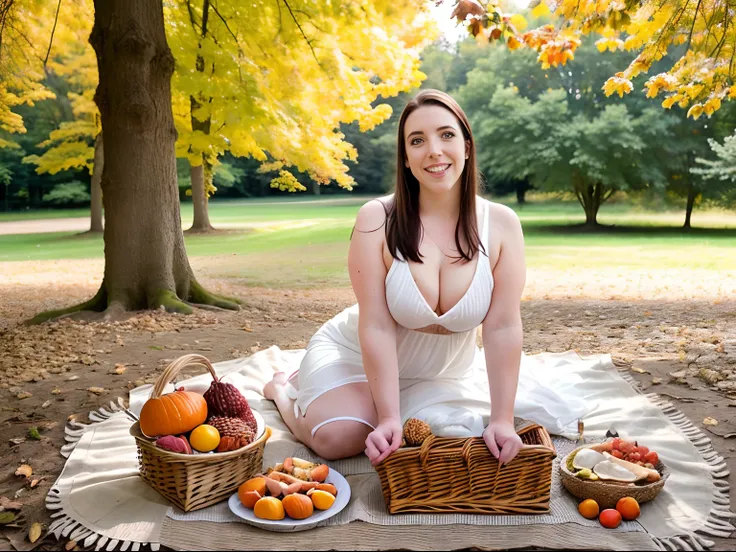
point(295, 244)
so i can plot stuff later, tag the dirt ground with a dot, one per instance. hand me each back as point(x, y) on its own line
point(684, 349)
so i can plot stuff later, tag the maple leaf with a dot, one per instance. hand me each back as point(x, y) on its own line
point(464, 8)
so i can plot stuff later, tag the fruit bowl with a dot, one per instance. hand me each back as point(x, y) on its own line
point(289, 525)
point(607, 493)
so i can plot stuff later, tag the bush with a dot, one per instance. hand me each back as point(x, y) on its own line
point(68, 193)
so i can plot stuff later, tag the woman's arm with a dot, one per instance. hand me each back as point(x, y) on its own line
point(376, 328)
point(502, 334)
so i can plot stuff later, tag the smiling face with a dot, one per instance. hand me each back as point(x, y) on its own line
point(435, 148)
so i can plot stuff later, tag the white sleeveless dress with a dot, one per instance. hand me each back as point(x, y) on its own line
point(442, 377)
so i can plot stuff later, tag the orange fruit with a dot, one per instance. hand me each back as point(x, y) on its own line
point(269, 507)
point(628, 507)
point(322, 499)
point(589, 508)
point(248, 498)
point(255, 484)
point(610, 518)
point(204, 438)
point(298, 506)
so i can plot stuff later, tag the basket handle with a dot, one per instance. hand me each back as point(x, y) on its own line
point(175, 366)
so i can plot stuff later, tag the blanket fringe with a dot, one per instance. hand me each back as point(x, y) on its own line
point(64, 527)
point(716, 525)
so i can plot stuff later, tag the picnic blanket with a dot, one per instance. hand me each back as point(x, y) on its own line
point(99, 498)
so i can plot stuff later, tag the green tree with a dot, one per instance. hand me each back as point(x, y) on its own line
point(718, 171)
point(559, 151)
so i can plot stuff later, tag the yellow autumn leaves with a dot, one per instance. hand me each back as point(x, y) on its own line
point(702, 78)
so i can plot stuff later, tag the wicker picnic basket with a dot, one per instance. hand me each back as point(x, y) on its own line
point(195, 481)
point(459, 475)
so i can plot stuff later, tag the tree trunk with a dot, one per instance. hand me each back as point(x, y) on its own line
point(316, 188)
point(96, 188)
point(692, 195)
point(591, 204)
point(202, 174)
point(201, 178)
point(522, 187)
point(146, 265)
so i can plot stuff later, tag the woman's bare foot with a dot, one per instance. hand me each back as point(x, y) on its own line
point(275, 385)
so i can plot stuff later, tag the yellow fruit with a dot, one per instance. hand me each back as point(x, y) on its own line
point(204, 438)
point(322, 500)
point(589, 508)
point(270, 508)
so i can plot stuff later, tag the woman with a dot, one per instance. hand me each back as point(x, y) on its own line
point(428, 266)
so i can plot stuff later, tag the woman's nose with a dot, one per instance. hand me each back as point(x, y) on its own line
point(435, 148)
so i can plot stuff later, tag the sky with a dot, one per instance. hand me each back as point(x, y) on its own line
point(450, 28)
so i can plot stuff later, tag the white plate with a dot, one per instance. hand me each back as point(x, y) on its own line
point(260, 424)
point(289, 525)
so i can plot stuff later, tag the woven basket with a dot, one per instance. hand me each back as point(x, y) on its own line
point(455, 475)
point(607, 493)
point(195, 481)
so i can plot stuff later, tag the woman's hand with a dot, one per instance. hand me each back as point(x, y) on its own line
point(383, 440)
point(502, 440)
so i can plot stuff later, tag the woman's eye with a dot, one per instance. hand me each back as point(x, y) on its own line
point(415, 141)
point(448, 135)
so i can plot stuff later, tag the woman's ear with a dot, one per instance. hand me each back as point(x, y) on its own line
point(467, 149)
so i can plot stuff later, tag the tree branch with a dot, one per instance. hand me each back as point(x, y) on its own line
point(224, 21)
point(191, 16)
point(302, 31)
point(4, 11)
point(53, 30)
point(692, 28)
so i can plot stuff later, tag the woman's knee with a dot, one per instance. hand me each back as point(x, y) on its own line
point(340, 439)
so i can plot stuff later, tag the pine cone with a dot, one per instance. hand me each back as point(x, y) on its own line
point(416, 431)
point(234, 428)
point(224, 399)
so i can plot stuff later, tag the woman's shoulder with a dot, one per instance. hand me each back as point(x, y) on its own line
point(373, 213)
point(501, 214)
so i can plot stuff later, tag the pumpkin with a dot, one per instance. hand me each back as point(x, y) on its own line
point(173, 414)
point(298, 506)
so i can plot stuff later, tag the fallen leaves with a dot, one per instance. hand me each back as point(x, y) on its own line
point(97, 390)
point(639, 370)
point(119, 369)
point(710, 421)
point(23, 395)
point(6, 517)
point(24, 470)
point(35, 532)
point(34, 434)
point(7, 504)
point(17, 441)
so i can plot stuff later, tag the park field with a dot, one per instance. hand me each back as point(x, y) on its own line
point(296, 243)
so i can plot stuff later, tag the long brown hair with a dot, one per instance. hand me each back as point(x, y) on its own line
point(403, 225)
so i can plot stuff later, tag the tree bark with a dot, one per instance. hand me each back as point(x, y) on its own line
point(146, 265)
point(201, 179)
point(96, 188)
point(316, 188)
